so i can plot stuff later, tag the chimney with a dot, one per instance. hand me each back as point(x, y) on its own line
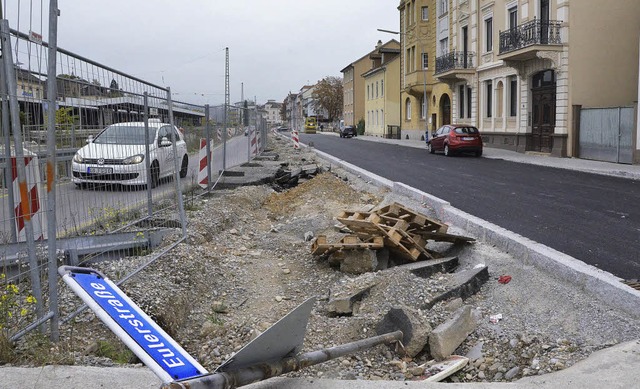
point(379, 44)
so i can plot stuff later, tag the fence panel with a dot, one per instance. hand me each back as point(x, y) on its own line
point(606, 134)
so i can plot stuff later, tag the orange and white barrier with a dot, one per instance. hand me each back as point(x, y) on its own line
point(296, 139)
point(203, 178)
point(28, 206)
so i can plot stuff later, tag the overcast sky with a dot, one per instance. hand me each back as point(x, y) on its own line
point(275, 46)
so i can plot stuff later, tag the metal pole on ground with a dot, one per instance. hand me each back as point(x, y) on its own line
point(51, 170)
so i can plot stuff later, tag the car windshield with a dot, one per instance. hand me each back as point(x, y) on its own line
point(124, 135)
point(466, 130)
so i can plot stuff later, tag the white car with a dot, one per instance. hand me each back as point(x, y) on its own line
point(117, 155)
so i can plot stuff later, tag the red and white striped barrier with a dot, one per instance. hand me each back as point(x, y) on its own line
point(230, 132)
point(296, 139)
point(254, 141)
point(28, 207)
point(259, 135)
point(220, 134)
point(203, 178)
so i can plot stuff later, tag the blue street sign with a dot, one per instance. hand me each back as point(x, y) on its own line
point(137, 330)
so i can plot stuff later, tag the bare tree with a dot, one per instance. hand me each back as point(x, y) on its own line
point(328, 95)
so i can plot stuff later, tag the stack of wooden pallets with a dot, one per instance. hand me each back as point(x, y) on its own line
point(403, 231)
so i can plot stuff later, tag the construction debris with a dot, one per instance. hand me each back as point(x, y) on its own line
point(446, 337)
point(395, 227)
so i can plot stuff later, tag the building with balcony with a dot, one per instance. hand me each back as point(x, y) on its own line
point(382, 94)
point(522, 70)
point(425, 100)
point(353, 84)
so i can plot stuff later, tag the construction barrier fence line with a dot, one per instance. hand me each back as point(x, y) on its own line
point(125, 155)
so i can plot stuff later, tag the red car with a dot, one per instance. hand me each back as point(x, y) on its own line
point(456, 138)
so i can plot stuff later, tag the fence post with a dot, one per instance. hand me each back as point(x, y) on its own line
point(51, 169)
point(25, 202)
point(208, 136)
point(176, 163)
point(147, 155)
point(7, 147)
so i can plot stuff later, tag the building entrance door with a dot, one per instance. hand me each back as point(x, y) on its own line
point(544, 111)
point(445, 106)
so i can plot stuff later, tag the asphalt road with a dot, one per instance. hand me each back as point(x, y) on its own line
point(593, 218)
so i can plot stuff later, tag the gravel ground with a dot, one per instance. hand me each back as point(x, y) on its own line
point(246, 264)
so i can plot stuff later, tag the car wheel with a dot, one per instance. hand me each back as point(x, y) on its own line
point(155, 174)
point(341, 136)
point(479, 153)
point(430, 148)
point(185, 167)
point(447, 152)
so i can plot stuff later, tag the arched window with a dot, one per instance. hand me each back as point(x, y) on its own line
point(407, 109)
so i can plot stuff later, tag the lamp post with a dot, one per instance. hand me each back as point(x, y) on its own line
point(424, 81)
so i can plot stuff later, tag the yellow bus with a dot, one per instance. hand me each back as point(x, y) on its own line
point(310, 125)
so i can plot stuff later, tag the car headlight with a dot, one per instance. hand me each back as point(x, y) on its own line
point(78, 158)
point(134, 159)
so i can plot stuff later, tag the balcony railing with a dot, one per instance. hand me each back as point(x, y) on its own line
point(534, 32)
point(454, 60)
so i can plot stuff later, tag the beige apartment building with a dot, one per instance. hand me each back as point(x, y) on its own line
point(353, 85)
point(382, 94)
point(425, 100)
point(545, 76)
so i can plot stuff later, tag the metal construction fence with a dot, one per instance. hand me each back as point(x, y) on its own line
point(94, 165)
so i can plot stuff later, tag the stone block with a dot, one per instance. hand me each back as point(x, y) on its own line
point(415, 328)
point(446, 338)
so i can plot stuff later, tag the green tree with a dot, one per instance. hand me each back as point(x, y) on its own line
point(360, 127)
point(328, 95)
point(65, 116)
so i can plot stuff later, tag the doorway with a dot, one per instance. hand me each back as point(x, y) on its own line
point(445, 107)
point(543, 95)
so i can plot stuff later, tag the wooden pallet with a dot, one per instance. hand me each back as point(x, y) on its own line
point(320, 246)
point(415, 219)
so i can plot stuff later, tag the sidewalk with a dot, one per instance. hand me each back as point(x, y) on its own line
point(583, 165)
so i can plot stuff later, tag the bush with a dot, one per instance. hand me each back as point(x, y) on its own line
point(360, 127)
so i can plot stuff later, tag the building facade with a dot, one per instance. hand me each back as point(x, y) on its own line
point(382, 95)
point(425, 100)
point(353, 85)
point(524, 71)
point(272, 113)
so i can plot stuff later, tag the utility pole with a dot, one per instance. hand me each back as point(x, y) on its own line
point(226, 110)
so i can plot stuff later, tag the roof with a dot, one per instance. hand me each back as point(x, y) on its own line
point(370, 53)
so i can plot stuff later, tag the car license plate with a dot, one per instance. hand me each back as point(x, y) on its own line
point(468, 138)
point(101, 170)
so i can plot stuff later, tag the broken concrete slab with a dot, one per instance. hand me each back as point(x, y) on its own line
point(463, 284)
point(446, 337)
point(415, 328)
point(425, 269)
point(342, 300)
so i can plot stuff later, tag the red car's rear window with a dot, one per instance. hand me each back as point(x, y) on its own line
point(466, 130)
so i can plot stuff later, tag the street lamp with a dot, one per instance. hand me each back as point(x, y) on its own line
point(424, 81)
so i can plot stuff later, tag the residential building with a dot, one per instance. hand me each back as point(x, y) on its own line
point(425, 100)
point(382, 95)
point(272, 113)
point(526, 72)
point(353, 85)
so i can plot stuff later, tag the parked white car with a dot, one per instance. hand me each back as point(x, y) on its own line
point(117, 155)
